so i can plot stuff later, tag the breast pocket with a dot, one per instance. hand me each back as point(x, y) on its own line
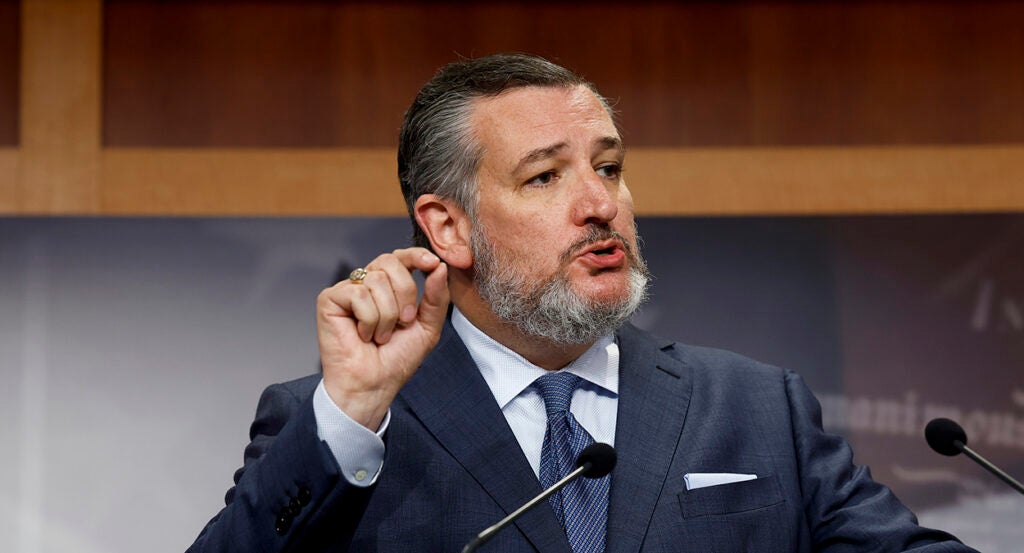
point(737, 497)
point(734, 518)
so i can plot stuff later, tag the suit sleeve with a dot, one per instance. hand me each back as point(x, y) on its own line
point(846, 509)
point(287, 488)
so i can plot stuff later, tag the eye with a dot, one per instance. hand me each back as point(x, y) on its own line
point(610, 171)
point(543, 179)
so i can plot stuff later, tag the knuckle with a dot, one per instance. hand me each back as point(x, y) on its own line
point(324, 297)
point(360, 292)
point(375, 278)
point(407, 290)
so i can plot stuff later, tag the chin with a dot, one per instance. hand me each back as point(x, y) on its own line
point(609, 294)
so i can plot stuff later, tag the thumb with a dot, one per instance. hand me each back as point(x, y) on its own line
point(434, 305)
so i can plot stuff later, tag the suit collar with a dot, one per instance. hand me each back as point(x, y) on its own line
point(449, 396)
point(654, 395)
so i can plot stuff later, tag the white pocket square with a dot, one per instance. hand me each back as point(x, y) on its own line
point(696, 480)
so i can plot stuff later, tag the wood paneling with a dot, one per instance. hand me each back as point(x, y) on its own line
point(9, 189)
point(250, 182)
point(9, 70)
point(226, 74)
point(60, 100)
point(713, 96)
point(664, 181)
point(827, 180)
point(319, 74)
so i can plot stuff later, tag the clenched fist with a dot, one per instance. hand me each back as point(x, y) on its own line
point(373, 335)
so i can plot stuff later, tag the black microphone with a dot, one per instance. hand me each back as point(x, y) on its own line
point(596, 460)
point(948, 438)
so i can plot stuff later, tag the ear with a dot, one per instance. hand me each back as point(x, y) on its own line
point(447, 227)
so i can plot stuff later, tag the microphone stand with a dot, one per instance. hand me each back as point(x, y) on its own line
point(989, 466)
point(486, 535)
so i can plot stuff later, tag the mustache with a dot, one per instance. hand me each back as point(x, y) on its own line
point(597, 233)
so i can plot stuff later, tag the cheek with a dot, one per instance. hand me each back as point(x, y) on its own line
point(521, 227)
point(625, 224)
point(530, 247)
point(625, 216)
point(625, 199)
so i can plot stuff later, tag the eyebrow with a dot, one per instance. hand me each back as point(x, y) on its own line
point(546, 152)
point(539, 154)
point(610, 143)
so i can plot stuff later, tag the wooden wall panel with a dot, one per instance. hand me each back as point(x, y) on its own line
point(729, 108)
point(826, 180)
point(9, 190)
point(60, 117)
point(664, 181)
point(220, 73)
point(324, 74)
point(10, 68)
point(142, 181)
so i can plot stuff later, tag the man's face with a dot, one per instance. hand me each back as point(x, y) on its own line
point(555, 248)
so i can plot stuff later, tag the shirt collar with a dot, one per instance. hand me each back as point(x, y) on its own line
point(507, 373)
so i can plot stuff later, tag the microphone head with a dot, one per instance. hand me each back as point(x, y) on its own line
point(942, 435)
point(601, 457)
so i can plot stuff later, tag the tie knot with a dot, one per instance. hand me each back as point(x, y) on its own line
point(556, 388)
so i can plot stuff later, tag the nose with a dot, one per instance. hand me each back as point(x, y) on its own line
point(596, 200)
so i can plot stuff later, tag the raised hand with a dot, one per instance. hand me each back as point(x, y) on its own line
point(373, 335)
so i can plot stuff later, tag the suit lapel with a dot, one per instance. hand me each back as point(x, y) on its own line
point(654, 394)
point(452, 400)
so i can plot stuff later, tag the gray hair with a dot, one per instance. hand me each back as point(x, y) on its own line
point(437, 153)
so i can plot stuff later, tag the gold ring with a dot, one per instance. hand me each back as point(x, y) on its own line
point(357, 275)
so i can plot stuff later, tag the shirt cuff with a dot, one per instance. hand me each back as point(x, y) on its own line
point(359, 451)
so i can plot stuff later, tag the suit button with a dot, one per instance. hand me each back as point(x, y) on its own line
point(294, 507)
point(282, 524)
point(304, 496)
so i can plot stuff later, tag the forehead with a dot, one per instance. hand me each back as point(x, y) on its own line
point(523, 119)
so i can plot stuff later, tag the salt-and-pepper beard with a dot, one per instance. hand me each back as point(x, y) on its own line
point(551, 309)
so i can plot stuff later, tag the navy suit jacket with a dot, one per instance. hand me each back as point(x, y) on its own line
point(452, 467)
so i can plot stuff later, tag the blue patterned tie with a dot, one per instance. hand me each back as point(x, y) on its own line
point(582, 506)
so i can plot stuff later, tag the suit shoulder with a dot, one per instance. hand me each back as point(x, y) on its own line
point(719, 361)
point(302, 387)
point(285, 397)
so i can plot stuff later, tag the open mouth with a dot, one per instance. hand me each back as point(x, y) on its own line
point(605, 255)
point(602, 250)
point(605, 247)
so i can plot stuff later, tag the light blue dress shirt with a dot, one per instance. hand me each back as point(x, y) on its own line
point(509, 376)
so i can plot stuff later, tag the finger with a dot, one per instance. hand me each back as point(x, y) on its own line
point(403, 285)
point(329, 302)
point(363, 307)
point(417, 258)
point(383, 295)
point(434, 306)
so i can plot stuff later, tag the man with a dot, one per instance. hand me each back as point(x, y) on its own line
point(429, 425)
